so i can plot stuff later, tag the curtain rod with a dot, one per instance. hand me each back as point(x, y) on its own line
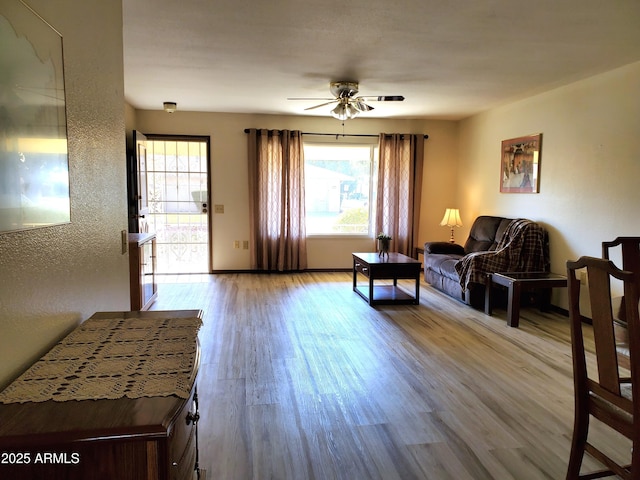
point(246, 130)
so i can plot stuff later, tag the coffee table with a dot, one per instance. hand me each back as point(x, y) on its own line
point(394, 266)
point(516, 283)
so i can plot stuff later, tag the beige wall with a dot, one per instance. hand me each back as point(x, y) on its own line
point(230, 182)
point(590, 163)
point(53, 278)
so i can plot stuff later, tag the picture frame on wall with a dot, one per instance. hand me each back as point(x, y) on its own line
point(34, 164)
point(520, 164)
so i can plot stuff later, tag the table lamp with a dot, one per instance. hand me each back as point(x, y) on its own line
point(451, 219)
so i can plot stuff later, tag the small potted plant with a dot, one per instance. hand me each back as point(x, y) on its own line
point(383, 244)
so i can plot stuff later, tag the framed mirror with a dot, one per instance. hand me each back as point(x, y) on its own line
point(34, 165)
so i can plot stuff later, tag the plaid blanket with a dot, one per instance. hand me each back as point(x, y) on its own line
point(521, 249)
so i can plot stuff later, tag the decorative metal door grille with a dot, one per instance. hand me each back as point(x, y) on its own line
point(179, 203)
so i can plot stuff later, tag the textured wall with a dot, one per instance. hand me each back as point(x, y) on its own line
point(53, 278)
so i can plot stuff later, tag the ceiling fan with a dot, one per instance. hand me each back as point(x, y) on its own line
point(348, 104)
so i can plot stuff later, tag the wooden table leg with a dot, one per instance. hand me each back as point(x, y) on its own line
point(513, 305)
point(488, 306)
point(355, 273)
point(370, 289)
point(544, 299)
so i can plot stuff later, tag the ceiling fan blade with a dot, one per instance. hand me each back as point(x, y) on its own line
point(321, 105)
point(385, 98)
point(309, 98)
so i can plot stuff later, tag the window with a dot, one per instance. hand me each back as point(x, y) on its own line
point(339, 188)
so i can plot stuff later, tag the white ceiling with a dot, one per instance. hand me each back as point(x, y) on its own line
point(449, 59)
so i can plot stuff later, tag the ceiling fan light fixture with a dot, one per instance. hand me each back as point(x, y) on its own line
point(339, 112)
point(345, 111)
point(353, 111)
point(361, 106)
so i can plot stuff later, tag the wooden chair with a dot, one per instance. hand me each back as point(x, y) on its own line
point(612, 399)
point(630, 247)
point(630, 253)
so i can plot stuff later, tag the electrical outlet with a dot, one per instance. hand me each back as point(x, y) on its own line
point(236, 244)
point(245, 244)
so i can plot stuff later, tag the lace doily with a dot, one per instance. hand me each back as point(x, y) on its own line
point(113, 358)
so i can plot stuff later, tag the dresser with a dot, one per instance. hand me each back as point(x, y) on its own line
point(141, 435)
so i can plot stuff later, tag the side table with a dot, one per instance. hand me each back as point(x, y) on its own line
point(516, 283)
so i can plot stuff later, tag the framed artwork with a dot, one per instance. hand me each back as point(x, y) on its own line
point(34, 165)
point(520, 164)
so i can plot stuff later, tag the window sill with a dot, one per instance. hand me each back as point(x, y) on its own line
point(337, 236)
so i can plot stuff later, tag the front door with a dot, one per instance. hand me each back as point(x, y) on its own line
point(137, 184)
point(178, 197)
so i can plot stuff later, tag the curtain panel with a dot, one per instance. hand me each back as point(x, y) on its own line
point(276, 200)
point(399, 189)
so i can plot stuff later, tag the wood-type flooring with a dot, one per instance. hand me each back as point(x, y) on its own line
point(302, 379)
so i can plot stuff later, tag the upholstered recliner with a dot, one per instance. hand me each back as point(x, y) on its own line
point(495, 244)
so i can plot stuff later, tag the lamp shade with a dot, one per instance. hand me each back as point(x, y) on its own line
point(339, 112)
point(345, 111)
point(451, 218)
